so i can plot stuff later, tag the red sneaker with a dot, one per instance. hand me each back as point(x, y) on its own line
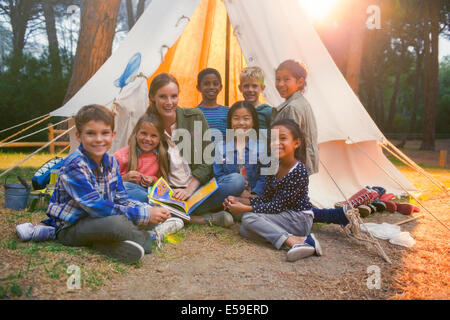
point(391, 206)
point(387, 197)
point(363, 196)
point(405, 208)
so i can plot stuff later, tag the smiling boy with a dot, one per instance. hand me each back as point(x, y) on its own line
point(251, 85)
point(90, 206)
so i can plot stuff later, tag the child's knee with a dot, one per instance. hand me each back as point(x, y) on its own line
point(237, 181)
point(248, 218)
point(117, 222)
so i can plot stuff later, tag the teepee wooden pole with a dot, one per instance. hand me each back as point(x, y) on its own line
point(412, 163)
point(227, 62)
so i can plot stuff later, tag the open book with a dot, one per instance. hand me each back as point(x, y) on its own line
point(161, 194)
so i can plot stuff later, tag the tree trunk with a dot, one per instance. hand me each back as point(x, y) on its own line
point(356, 47)
point(393, 103)
point(130, 14)
point(380, 106)
point(432, 12)
point(98, 23)
point(20, 12)
point(53, 46)
point(417, 90)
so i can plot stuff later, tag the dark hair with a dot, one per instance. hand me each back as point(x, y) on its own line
point(157, 83)
point(207, 71)
point(94, 112)
point(246, 105)
point(293, 127)
point(297, 69)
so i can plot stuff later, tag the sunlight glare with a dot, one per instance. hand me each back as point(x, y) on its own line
point(318, 9)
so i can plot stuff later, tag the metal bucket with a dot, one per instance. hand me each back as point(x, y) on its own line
point(16, 196)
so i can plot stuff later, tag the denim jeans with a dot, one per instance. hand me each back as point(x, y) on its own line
point(332, 216)
point(276, 228)
point(230, 185)
point(136, 191)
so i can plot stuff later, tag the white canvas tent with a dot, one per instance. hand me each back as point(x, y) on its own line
point(183, 36)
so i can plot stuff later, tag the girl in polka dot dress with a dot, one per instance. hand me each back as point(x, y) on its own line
point(283, 214)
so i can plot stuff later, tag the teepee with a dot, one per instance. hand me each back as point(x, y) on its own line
point(184, 36)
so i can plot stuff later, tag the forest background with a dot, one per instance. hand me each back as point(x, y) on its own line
point(395, 70)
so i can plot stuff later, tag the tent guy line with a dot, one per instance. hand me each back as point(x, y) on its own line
point(403, 187)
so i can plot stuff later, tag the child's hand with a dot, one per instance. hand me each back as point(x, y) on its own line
point(181, 194)
point(158, 215)
point(147, 181)
point(132, 176)
point(238, 207)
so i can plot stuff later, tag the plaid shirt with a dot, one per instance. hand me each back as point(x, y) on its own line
point(85, 189)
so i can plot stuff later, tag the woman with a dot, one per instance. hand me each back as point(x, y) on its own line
point(188, 170)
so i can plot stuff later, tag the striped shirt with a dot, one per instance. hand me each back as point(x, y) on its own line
point(216, 118)
point(85, 189)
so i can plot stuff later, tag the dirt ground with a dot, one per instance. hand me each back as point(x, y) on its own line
point(207, 265)
point(217, 263)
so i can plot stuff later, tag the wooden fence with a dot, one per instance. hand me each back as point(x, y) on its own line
point(51, 135)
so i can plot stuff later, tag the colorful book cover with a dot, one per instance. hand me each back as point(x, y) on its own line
point(162, 193)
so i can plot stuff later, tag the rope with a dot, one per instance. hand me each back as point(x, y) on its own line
point(32, 154)
point(28, 121)
point(20, 131)
point(401, 186)
point(412, 164)
point(65, 148)
point(352, 229)
point(33, 133)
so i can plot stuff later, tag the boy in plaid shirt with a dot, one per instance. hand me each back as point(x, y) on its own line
point(90, 206)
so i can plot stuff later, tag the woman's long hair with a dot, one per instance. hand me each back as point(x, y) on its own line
point(163, 158)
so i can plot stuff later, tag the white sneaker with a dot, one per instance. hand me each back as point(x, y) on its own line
point(300, 251)
point(25, 231)
point(171, 225)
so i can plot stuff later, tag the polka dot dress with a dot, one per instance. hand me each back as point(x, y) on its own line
point(288, 193)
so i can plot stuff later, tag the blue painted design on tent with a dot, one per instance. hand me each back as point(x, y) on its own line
point(130, 70)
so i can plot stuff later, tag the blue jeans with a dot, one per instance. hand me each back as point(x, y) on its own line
point(136, 191)
point(333, 216)
point(230, 185)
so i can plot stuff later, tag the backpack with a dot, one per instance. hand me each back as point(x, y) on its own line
point(42, 176)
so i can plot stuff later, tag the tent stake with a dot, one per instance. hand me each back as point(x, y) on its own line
point(409, 220)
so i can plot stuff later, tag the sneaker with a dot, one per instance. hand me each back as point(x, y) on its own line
point(43, 233)
point(406, 208)
point(171, 225)
point(221, 219)
point(380, 190)
point(391, 206)
point(300, 251)
point(312, 241)
point(364, 211)
point(25, 231)
point(372, 208)
point(379, 205)
point(125, 251)
point(363, 196)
